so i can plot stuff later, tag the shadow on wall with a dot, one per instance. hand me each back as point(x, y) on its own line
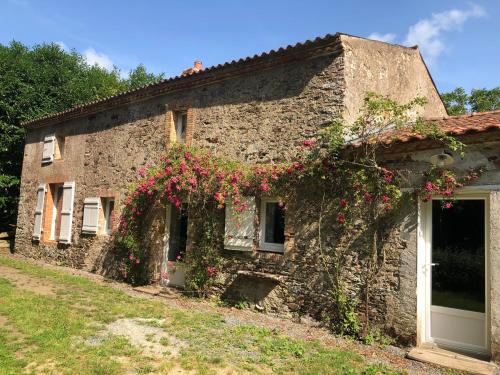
point(282, 82)
point(252, 290)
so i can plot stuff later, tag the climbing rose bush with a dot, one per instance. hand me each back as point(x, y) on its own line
point(443, 183)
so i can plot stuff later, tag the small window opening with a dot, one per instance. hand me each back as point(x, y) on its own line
point(108, 205)
point(181, 126)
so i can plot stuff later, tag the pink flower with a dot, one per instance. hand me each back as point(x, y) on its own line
point(142, 172)
point(341, 218)
point(429, 186)
point(388, 176)
point(137, 261)
point(164, 275)
point(449, 180)
point(309, 142)
point(219, 197)
point(367, 196)
point(385, 199)
point(264, 186)
point(343, 202)
point(448, 205)
point(211, 271)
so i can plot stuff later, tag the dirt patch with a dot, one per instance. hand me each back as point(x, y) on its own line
point(27, 282)
point(145, 334)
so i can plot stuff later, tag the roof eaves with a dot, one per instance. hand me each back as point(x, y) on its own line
point(156, 88)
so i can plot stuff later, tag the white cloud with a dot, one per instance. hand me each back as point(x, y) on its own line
point(95, 58)
point(428, 33)
point(63, 45)
point(388, 38)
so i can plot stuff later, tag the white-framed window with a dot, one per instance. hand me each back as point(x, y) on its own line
point(180, 118)
point(272, 225)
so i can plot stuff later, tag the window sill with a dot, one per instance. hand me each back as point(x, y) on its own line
point(271, 250)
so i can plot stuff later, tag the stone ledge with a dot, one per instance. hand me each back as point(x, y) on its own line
point(261, 275)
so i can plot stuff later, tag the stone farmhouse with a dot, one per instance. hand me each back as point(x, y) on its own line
point(78, 163)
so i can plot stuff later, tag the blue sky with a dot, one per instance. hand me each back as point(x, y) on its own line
point(460, 40)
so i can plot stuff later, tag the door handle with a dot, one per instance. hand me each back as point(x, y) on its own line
point(434, 264)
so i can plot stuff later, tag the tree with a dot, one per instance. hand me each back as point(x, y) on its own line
point(483, 100)
point(140, 77)
point(38, 81)
point(457, 102)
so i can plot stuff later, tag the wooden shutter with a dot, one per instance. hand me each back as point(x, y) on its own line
point(37, 230)
point(91, 208)
point(240, 228)
point(48, 149)
point(67, 212)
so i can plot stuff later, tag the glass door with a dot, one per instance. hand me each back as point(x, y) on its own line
point(458, 276)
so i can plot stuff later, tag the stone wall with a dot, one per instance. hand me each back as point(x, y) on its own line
point(396, 71)
point(256, 118)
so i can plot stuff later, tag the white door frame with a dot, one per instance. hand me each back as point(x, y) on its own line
point(424, 241)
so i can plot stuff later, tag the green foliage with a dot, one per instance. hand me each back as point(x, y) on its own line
point(346, 321)
point(482, 100)
point(375, 336)
point(38, 81)
point(205, 259)
point(140, 77)
point(457, 102)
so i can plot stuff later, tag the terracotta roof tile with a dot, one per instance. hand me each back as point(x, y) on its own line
point(453, 125)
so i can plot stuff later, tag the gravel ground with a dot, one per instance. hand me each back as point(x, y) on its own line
point(305, 329)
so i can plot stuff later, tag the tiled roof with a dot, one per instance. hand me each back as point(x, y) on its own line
point(207, 75)
point(453, 125)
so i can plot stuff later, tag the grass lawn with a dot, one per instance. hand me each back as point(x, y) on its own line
point(61, 331)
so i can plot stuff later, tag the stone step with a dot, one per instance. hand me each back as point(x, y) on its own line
point(453, 360)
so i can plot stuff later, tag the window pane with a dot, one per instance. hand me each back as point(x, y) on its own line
point(458, 276)
point(110, 205)
point(275, 224)
point(181, 127)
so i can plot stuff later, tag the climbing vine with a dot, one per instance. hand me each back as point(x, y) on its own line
point(350, 176)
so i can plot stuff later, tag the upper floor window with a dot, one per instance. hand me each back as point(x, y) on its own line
point(272, 230)
point(53, 148)
point(180, 119)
